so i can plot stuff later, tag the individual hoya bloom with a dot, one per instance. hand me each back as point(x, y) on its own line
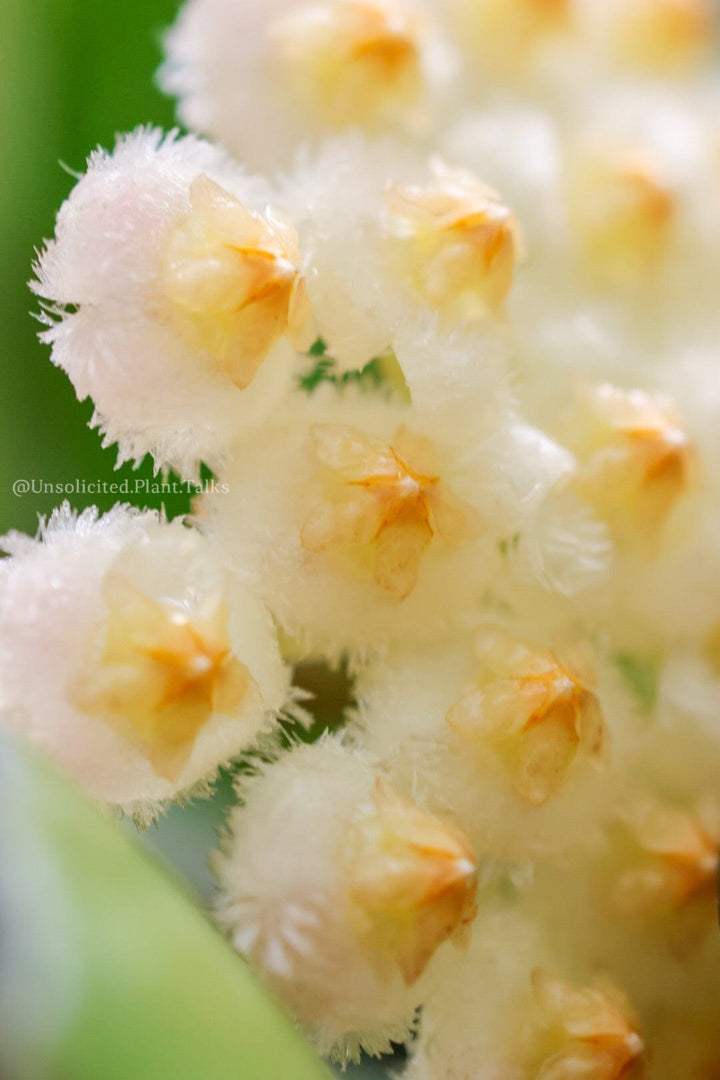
point(512, 743)
point(401, 251)
point(654, 37)
point(637, 461)
point(621, 210)
point(342, 911)
point(594, 1029)
point(460, 241)
point(507, 39)
point(670, 858)
point(382, 513)
point(171, 290)
point(310, 68)
point(534, 710)
point(128, 654)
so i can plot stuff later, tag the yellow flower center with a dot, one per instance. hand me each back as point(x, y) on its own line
point(459, 241)
point(596, 1028)
point(502, 32)
point(353, 60)
point(621, 211)
point(387, 496)
point(233, 280)
point(663, 35)
point(676, 859)
point(638, 462)
point(411, 879)
point(162, 673)
point(534, 713)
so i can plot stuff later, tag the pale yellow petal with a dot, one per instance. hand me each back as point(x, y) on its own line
point(398, 553)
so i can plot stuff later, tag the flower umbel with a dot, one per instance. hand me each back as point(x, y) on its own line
point(413, 879)
point(534, 712)
point(163, 672)
point(387, 495)
point(234, 280)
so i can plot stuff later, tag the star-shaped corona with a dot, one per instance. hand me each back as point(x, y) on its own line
point(164, 672)
point(460, 243)
point(638, 461)
point(355, 59)
point(534, 712)
point(596, 1029)
point(675, 858)
point(621, 211)
point(386, 496)
point(412, 878)
point(233, 278)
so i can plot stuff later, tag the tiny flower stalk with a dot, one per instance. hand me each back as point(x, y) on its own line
point(411, 879)
point(234, 281)
point(162, 672)
point(459, 242)
point(385, 496)
point(355, 59)
point(637, 463)
point(534, 713)
point(674, 859)
point(594, 1030)
point(621, 211)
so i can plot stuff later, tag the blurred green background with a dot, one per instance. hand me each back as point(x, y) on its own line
point(75, 72)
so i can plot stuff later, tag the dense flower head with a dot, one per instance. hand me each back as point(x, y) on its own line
point(454, 363)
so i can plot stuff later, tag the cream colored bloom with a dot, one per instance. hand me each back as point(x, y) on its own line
point(597, 1030)
point(674, 859)
point(637, 461)
point(169, 289)
point(352, 60)
point(385, 495)
point(461, 243)
point(413, 879)
point(534, 711)
point(621, 211)
point(341, 893)
point(233, 278)
point(663, 36)
point(129, 654)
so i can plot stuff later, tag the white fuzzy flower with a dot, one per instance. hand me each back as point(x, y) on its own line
point(168, 288)
point(264, 75)
point(510, 738)
point(392, 516)
point(405, 254)
point(340, 892)
point(128, 655)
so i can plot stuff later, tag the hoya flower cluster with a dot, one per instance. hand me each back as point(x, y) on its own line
point(442, 317)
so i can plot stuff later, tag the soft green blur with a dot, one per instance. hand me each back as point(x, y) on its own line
point(75, 72)
point(108, 971)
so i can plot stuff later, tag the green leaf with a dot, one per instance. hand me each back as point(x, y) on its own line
point(640, 675)
point(113, 973)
